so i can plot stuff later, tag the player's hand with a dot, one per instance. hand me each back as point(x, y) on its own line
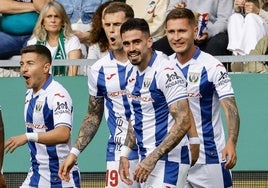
point(66, 166)
point(229, 155)
point(2, 181)
point(194, 148)
point(124, 170)
point(144, 169)
point(13, 142)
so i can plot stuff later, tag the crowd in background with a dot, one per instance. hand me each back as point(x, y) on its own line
point(238, 27)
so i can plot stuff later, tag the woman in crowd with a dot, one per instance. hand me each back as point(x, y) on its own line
point(53, 30)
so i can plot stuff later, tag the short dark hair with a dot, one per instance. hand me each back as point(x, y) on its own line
point(115, 7)
point(181, 13)
point(135, 24)
point(39, 49)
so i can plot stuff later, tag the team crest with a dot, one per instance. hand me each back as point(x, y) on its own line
point(38, 106)
point(193, 77)
point(147, 82)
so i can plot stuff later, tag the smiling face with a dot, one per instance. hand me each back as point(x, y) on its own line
point(52, 21)
point(111, 25)
point(137, 45)
point(35, 69)
point(180, 34)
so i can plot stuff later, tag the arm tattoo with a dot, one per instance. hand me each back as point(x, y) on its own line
point(181, 113)
point(130, 138)
point(91, 122)
point(232, 117)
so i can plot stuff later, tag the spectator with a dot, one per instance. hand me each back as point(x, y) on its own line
point(246, 26)
point(214, 39)
point(80, 13)
point(2, 138)
point(98, 42)
point(17, 23)
point(258, 66)
point(48, 114)
point(153, 11)
point(53, 29)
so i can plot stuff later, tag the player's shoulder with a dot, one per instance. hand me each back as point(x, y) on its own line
point(208, 59)
point(55, 88)
point(103, 61)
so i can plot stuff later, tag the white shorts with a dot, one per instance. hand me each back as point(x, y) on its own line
point(209, 176)
point(167, 174)
point(113, 178)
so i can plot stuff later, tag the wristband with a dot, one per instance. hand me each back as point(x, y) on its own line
point(75, 151)
point(194, 140)
point(33, 137)
point(125, 151)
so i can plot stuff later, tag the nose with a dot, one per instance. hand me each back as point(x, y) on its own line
point(23, 68)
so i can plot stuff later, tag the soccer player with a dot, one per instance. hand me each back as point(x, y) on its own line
point(161, 116)
point(2, 137)
point(209, 88)
point(48, 116)
point(106, 82)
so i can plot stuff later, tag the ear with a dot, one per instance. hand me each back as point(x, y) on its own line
point(195, 31)
point(150, 42)
point(46, 67)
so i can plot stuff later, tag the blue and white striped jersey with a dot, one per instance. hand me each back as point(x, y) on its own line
point(106, 78)
point(50, 107)
point(207, 83)
point(150, 93)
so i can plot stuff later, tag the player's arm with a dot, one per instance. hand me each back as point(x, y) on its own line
point(180, 111)
point(59, 135)
point(88, 129)
point(130, 142)
point(194, 141)
point(2, 137)
point(233, 122)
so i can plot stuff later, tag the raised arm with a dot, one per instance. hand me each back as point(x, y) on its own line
point(14, 7)
point(88, 129)
point(233, 122)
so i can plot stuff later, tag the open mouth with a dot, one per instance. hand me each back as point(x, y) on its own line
point(26, 77)
point(112, 39)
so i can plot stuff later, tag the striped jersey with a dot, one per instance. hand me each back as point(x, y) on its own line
point(207, 83)
point(50, 107)
point(150, 93)
point(106, 78)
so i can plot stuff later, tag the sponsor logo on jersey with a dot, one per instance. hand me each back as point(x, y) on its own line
point(35, 126)
point(62, 108)
point(195, 95)
point(117, 93)
point(110, 76)
point(59, 95)
point(224, 79)
point(173, 79)
point(131, 80)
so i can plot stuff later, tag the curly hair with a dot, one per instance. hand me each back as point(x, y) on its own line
point(97, 34)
